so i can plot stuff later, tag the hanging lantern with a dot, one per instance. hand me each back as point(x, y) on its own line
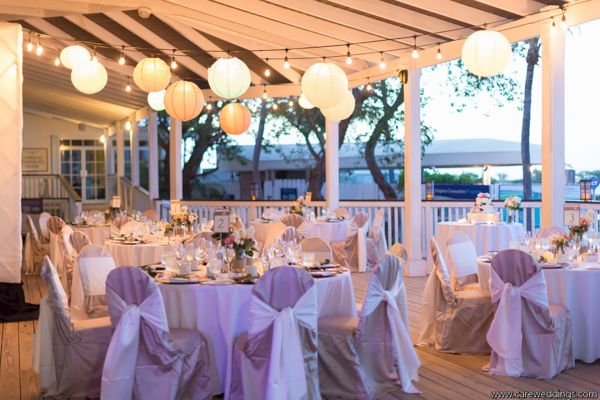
point(486, 53)
point(324, 84)
point(184, 100)
point(90, 77)
point(156, 100)
point(73, 56)
point(304, 103)
point(229, 77)
point(235, 118)
point(152, 74)
point(341, 110)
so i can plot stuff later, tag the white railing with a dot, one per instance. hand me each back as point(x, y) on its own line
point(134, 197)
point(433, 212)
point(57, 195)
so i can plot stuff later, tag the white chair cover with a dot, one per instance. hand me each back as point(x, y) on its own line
point(342, 213)
point(120, 220)
point(377, 233)
point(89, 277)
point(151, 214)
point(67, 256)
point(294, 220)
point(131, 228)
point(318, 247)
point(43, 223)
point(290, 234)
point(357, 251)
point(271, 213)
point(34, 249)
point(463, 260)
point(79, 240)
point(55, 225)
point(545, 233)
point(399, 251)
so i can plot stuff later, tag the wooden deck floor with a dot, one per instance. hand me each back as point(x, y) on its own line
point(441, 376)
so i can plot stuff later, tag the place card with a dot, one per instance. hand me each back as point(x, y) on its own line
point(571, 215)
point(175, 207)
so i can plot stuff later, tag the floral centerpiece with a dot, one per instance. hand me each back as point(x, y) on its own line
point(183, 217)
point(512, 205)
point(241, 240)
point(576, 232)
point(298, 206)
point(559, 242)
point(110, 213)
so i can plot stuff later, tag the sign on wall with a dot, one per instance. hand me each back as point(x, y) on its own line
point(34, 160)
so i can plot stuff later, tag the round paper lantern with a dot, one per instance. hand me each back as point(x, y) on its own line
point(90, 77)
point(184, 100)
point(486, 53)
point(235, 118)
point(304, 103)
point(229, 77)
point(152, 74)
point(156, 100)
point(73, 56)
point(341, 110)
point(324, 84)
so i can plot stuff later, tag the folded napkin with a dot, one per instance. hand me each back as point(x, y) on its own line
point(115, 232)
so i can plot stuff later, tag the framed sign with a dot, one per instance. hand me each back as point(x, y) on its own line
point(34, 160)
point(116, 202)
point(222, 218)
point(175, 207)
point(571, 215)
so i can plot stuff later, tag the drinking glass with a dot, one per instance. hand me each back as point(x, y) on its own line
point(229, 256)
point(297, 252)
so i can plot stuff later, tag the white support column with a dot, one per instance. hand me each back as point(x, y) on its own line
point(553, 125)
point(152, 155)
point(134, 150)
point(120, 155)
point(332, 164)
point(416, 265)
point(175, 159)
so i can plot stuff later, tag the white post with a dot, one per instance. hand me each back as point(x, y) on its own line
point(553, 125)
point(134, 150)
point(152, 155)
point(416, 265)
point(332, 164)
point(175, 159)
point(120, 155)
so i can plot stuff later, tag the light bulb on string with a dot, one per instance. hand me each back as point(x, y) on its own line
point(29, 46)
point(275, 106)
point(553, 23)
point(209, 107)
point(563, 22)
point(265, 95)
point(369, 87)
point(128, 88)
point(122, 57)
point(348, 56)
point(267, 70)
point(57, 61)
point(415, 52)
point(286, 63)
point(173, 62)
point(291, 103)
point(439, 55)
point(39, 50)
point(382, 62)
point(94, 56)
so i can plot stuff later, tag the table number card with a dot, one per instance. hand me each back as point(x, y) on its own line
point(175, 207)
point(116, 202)
point(571, 215)
point(222, 218)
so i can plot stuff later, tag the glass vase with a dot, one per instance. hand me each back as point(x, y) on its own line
point(238, 264)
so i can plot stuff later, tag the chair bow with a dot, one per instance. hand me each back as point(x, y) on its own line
point(286, 376)
point(407, 360)
point(505, 335)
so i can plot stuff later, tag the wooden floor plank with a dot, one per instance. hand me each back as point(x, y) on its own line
point(9, 362)
point(29, 379)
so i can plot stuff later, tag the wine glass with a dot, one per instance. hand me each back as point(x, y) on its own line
point(297, 249)
point(229, 256)
point(527, 239)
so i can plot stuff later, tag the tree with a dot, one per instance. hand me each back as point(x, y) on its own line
point(533, 55)
point(257, 148)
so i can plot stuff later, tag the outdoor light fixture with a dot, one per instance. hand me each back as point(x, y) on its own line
point(429, 190)
point(122, 56)
point(173, 62)
point(415, 52)
point(152, 74)
point(89, 78)
point(403, 76)
point(342, 110)
point(73, 56)
point(286, 63)
point(267, 70)
point(348, 56)
point(156, 100)
point(229, 77)
point(235, 118)
point(184, 100)
point(39, 50)
point(486, 53)
point(439, 55)
point(324, 84)
point(382, 62)
point(585, 189)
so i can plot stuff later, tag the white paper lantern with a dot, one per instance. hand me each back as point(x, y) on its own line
point(324, 84)
point(229, 77)
point(73, 56)
point(304, 103)
point(486, 53)
point(184, 100)
point(156, 100)
point(341, 110)
point(90, 77)
point(152, 74)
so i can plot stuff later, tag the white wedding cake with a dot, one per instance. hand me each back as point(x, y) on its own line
point(483, 210)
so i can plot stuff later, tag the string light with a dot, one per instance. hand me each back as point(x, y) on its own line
point(265, 95)
point(94, 56)
point(563, 22)
point(348, 56)
point(122, 57)
point(29, 46)
point(267, 70)
point(286, 63)
point(173, 62)
point(369, 87)
point(275, 106)
point(128, 88)
point(57, 61)
point(439, 55)
point(382, 62)
point(553, 23)
point(291, 103)
point(209, 107)
point(415, 52)
point(39, 49)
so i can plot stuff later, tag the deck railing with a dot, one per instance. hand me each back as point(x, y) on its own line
point(57, 195)
point(134, 197)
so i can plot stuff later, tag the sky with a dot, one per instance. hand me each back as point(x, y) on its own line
point(483, 118)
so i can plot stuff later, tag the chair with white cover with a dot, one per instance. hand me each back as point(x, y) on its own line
point(131, 228)
point(377, 233)
point(146, 359)
point(453, 321)
point(294, 220)
point(68, 255)
point(318, 247)
point(463, 261)
point(69, 349)
point(290, 234)
point(151, 214)
point(88, 290)
point(357, 251)
point(399, 251)
point(55, 225)
point(545, 233)
point(370, 356)
point(43, 223)
point(277, 357)
point(79, 240)
point(34, 249)
point(120, 220)
point(528, 337)
point(342, 212)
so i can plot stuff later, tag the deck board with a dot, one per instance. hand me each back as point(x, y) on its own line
point(442, 376)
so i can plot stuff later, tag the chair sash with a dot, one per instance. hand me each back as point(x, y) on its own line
point(505, 335)
point(286, 376)
point(406, 357)
point(43, 223)
point(357, 235)
point(118, 374)
point(290, 234)
point(79, 240)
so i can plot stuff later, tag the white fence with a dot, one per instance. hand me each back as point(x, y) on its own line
point(57, 194)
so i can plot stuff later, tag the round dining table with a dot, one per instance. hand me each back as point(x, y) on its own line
point(576, 289)
point(220, 312)
point(98, 234)
point(136, 255)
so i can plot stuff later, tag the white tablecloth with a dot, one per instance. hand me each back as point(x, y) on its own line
point(221, 314)
point(98, 234)
point(334, 231)
point(578, 290)
point(135, 255)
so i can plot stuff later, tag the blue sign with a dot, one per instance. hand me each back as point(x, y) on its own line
point(459, 191)
point(594, 182)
